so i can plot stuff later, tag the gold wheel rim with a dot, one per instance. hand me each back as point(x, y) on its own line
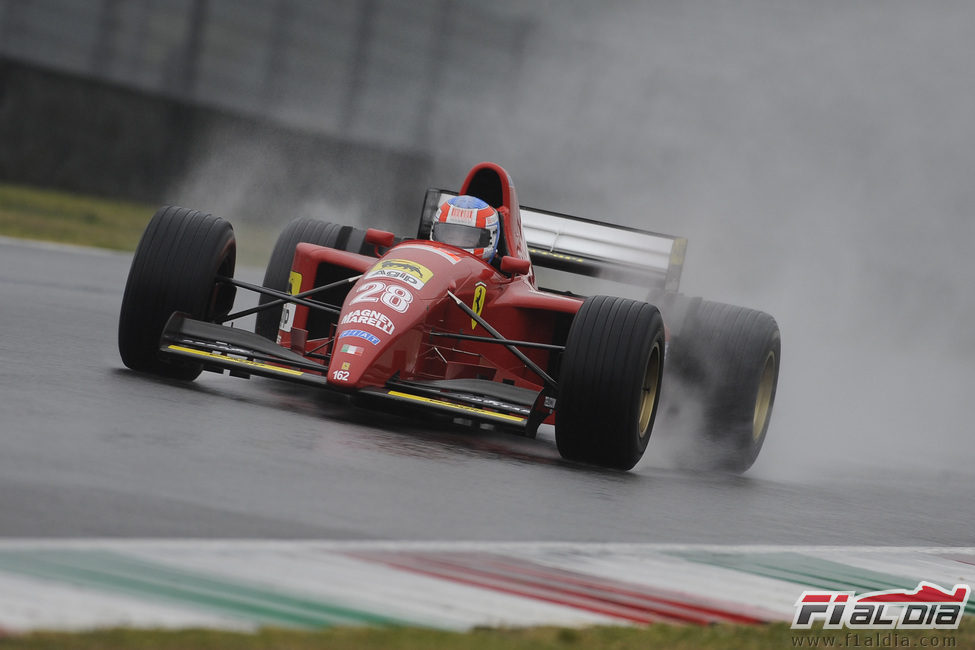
point(650, 389)
point(763, 402)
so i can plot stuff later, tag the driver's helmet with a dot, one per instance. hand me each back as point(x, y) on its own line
point(468, 222)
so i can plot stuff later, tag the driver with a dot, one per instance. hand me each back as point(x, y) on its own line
point(468, 222)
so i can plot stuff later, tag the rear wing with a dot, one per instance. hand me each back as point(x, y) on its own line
point(637, 257)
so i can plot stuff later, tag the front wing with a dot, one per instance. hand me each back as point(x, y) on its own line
point(242, 353)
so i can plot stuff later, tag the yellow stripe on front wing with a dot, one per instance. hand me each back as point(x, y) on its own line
point(243, 362)
point(459, 407)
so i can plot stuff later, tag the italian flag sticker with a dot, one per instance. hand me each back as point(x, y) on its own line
point(351, 349)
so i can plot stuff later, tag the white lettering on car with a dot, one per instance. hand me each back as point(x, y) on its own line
point(370, 317)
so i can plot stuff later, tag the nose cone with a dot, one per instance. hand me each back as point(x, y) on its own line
point(365, 333)
point(361, 337)
point(385, 315)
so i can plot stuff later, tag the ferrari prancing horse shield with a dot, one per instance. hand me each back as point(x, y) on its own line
point(480, 292)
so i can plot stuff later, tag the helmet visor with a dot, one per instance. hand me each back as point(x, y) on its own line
point(461, 236)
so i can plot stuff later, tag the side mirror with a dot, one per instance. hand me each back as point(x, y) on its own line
point(382, 238)
point(515, 265)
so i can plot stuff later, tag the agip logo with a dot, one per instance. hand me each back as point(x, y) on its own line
point(928, 607)
point(409, 272)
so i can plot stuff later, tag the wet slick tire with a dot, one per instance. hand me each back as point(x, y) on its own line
point(278, 272)
point(610, 380)
point(727, 362)
point(175, 268)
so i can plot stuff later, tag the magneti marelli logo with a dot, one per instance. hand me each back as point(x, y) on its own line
point(928, 607)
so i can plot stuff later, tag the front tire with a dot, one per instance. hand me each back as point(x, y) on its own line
point(175, 268)
point(610, 380)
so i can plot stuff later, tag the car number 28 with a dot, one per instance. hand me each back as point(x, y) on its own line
point(393, 296)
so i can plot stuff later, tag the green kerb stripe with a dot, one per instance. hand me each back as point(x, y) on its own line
point(115, 572)
point(807, 571)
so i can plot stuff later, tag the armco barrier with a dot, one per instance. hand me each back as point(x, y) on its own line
point(85, 135)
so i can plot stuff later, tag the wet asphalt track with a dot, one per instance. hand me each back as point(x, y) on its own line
point(91, 449)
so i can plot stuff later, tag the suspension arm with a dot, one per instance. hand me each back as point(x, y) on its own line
point(281, 297)
point(487, 339)
point(497, 335)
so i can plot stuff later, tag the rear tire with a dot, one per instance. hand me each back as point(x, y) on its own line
point(312, 231)
point(727, 363)
point(610, 380)
point(174, 268)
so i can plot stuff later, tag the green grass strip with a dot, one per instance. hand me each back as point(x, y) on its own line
point(64, 217)
point(49, 215)
point(115, 572)
point(808, 571)
point(672, 637)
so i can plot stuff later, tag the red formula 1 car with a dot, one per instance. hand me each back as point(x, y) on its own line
point(421, 323)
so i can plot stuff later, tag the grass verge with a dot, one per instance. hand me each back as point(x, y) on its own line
point(49, 215)
point(68, 218)
point(723, 637)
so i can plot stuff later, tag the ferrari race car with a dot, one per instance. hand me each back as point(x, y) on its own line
point(422, 324)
